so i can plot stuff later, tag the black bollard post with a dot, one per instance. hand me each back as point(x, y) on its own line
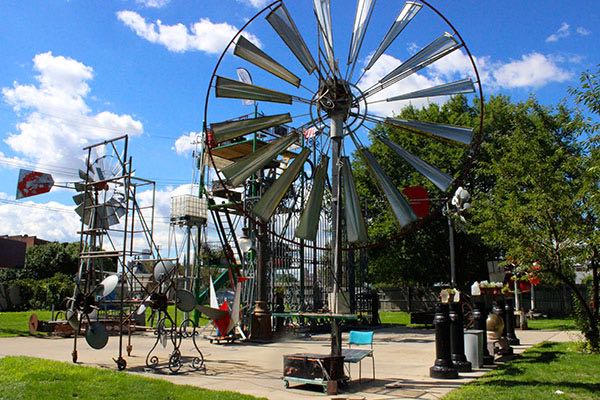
point(457, 339)
point(443, 368)
point(499, 310)
point(480, 316)
point(509, 322)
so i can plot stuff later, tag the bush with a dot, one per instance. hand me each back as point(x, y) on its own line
point(41, 294)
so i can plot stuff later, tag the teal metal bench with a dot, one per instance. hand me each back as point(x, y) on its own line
point(353, 356)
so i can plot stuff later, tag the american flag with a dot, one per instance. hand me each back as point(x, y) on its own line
point(310, 133)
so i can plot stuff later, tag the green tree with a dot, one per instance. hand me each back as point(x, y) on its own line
point(530, 176)
point(46, 260)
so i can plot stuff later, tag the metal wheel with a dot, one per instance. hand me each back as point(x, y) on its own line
point(318, 105)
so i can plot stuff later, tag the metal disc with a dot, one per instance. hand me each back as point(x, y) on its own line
point(141, 309)
point(96, 336)
point(33, 324)
point(109, 284)
point(162, 269)
point(73, 319)
point(185, 300)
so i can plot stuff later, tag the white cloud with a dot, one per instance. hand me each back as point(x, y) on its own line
point(56, 121)
point(185, 144)
point(153, 3)
point(532, 70)
point(255, 3)
point(50, 221)
point(562, 32)
point(583, 31)
point(203, 35)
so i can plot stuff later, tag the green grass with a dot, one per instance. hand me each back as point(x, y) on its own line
point(17, 323)
point(23, 378)
point(394, 317)
point(538, 374)
point(552, 324)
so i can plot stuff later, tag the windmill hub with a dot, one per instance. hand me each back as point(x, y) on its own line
point(335, 97)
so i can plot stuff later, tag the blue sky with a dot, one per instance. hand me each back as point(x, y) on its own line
point(75, 72)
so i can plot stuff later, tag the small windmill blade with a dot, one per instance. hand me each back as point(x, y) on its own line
point(250, 52)
point(323, 13)
point(282, 23)
point(463, 86)
point(364, 9)
point(268, 203)
point(435, 176)
point(228, 130)
point(355, 223)
point(400, 207)
point(447, 133)
point(239, 171)
point(233, 89)
point(108, 285)
point(408, 12)
point(309, 220)
point(437, 49)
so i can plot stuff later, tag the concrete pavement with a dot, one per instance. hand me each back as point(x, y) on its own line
point(402, 360)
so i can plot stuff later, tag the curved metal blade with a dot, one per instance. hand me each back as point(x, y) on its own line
point(212, 313)
point(408, 12)
point(241, 170)
point(437, 177)
point(364, 9)
point(309, 220)
point(437, 49)
point(450, 133)
point(233, 89)
point(185, 300)
point(109, 284)
point(282, 23)
point(248, 51)
point(355, 223)
point(268, 203)
point(462, 86)
point(232, 129)
point(323, 12)
point(73, 319)
point(96, 336)
point(400, 207)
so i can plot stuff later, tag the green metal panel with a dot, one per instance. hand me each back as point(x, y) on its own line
point(232, 129)
point(309, 220)
point(241, 170)
point(233, 89)
point(449, 133)
point(268, 203)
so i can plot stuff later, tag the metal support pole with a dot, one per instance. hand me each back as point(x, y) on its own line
point(443, 368)
point(261, 318)
point(452, 256)
point(480, 314)
point(336, 134)
point(511, 336)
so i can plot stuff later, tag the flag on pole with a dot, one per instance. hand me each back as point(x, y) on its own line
point(244, 76)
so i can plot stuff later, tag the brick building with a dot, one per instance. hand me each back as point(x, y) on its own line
point(13, 249)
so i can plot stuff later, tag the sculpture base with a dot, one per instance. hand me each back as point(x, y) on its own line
point(261, 330)
point(462, 365)
point(443, 372)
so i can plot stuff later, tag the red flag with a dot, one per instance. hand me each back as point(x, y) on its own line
point(32, 183)
point(310, 133)
point(418, 199)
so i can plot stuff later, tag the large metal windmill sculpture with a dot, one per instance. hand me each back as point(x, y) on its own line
point(323, 93)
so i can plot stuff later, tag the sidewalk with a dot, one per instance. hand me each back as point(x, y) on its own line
point(402, 359)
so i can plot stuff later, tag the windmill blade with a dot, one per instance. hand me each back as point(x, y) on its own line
point(85, 212)
point(235, 309)
point(108, 285)
point(268, 203)
point(400, 207)
point(437, 49)
point(80, 198)
point(282, 23)
point(117, 206)
point(250, 52)
point(355, 223)
point(212, 295)
point(163, 269)
point(79, 187)
point(309, 220)
point(239, 171)
point(462, 86)
point(435, 176)
point(223, 131)
point(233, 89)
point(323, 12)
point(408, 12)
point(110, 215)
point(211, 313)
point(364, 9)
point(445, 132)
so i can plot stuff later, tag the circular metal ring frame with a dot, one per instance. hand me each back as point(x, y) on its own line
point(465, 167)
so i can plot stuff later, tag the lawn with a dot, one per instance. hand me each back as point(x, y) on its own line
point(539, 374)
point(394, 317)
point(552, 324)
point(17, 323)
point(23, 378)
